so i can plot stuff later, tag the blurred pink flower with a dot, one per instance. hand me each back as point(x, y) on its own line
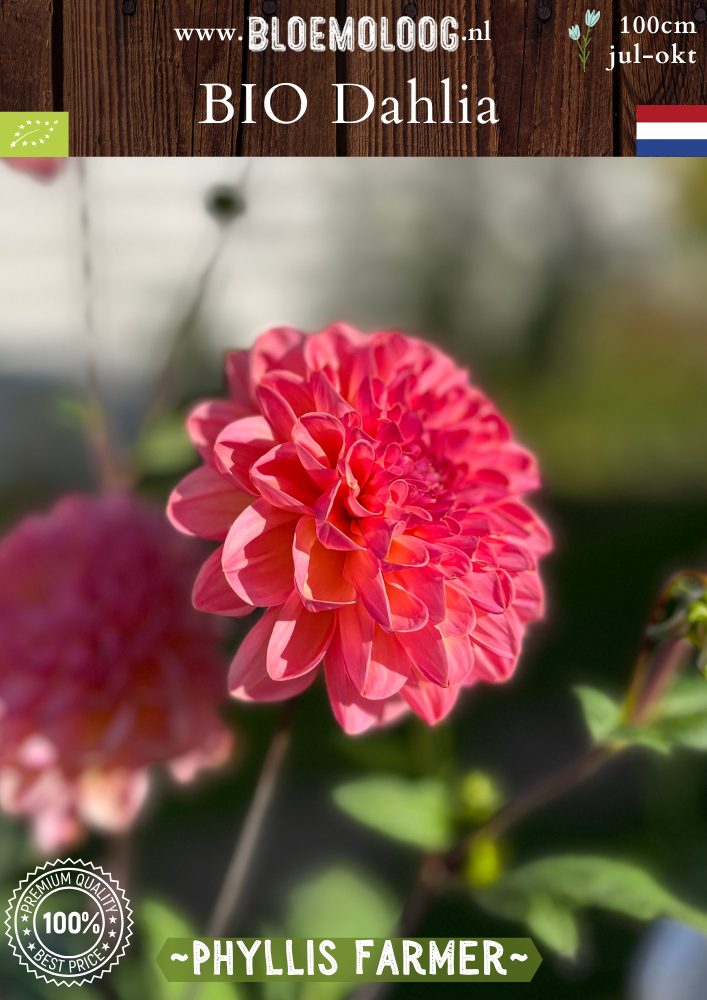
point(105, 668)
point(44, 168)
point(368, 497)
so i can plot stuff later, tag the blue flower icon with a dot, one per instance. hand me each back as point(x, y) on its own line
point(591, 19)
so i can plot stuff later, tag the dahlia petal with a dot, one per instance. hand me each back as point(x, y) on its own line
point(407, 550)
point(355, 632)
point(326, 398)
point(519, 465)
point(489, 590)
point(460, 657)
point(213, 753)
point(248, 679)
point(460, 617)
point(212, 593)
point(299, 640)
point(375, 661)
point(498, 552)
point(500, 634)
point(319, 572)
point(354, 713)
point(278, 348)
point(427, 584)
point(257, 557)
point(428, 700)
point(333, 351)
point(529, 597)
point(276, 411)
point(491, 667)
point(427, 651)
point(407, 612)
point(334, 538)
point(389, 667)
point(359, 463)
point(206, 421)
point(110, 801)
point(520, 522)
point(364, 572)
point(452, 561)
point(319, 436)
point(377, 532)
point(389, 349)
point(206, 504)
point(281, 479)
point(237, 366)
point(239, 446)
point(334, 525)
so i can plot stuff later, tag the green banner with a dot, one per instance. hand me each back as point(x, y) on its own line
point(349, 960)
point(34, 133)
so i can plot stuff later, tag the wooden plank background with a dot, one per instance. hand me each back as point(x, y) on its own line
point(133, 89)
point(652, 83)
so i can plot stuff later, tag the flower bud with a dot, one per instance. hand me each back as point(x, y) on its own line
point(480, 797)
point(678, 626)
point(483, 864)
point(225, 203)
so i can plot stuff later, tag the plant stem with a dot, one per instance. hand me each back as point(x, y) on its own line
point(538, 795)
point(237, 871)
point(584, 49)
point(184, 328)
point(436, 869)
point(109, 469)
point(190, 315)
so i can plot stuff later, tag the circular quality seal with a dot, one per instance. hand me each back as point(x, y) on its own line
point(69, 922)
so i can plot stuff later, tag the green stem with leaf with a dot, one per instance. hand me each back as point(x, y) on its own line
point(583, 46)
point(656, 713)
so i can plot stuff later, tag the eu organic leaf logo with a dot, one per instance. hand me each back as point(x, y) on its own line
point(44, 133)
point(34, 133)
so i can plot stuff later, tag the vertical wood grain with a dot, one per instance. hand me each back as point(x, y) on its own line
point(551, 107)
point(313, 72)
point(133, 89)
point(650, 82)
point(386, 74)
point(547, 106)
point(26, 56)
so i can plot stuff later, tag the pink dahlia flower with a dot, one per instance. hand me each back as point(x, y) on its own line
point(368, 497)
point(43, 168)
point(105, 668)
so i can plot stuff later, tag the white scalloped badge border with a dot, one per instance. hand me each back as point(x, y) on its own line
point(78, 865)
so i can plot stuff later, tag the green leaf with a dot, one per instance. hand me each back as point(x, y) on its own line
point(601, 713)
point(575, 882)
point(155, 921)
point(552, 923)
point(418, 813)
point(337, 902)
point(18, 984)
point(682, 719)
point(340, 902)
point(164, 447)
point(604, 719)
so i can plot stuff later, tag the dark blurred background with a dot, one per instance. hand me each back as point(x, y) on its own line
point(576, 292)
